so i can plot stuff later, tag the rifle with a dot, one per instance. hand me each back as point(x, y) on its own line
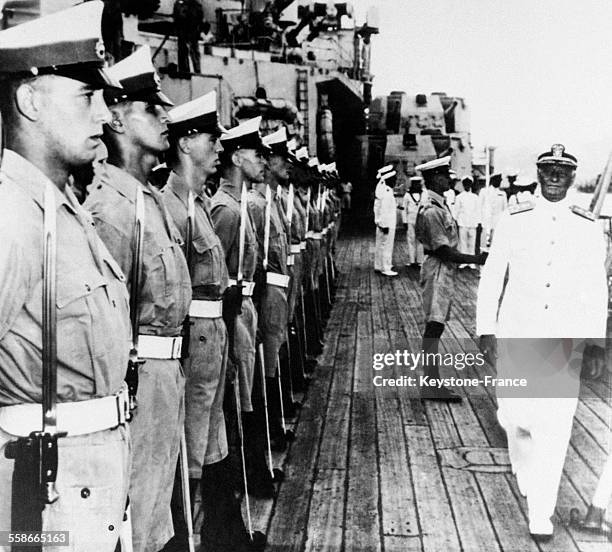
point(36, 456)
point(131, 377)
point(183, 461)
point(599, 195)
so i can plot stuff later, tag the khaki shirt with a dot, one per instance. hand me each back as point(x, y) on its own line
point(208, 270)
point(277, 247)
point(297, 217)
point(436, 227)
point(165, 292)
point(93, 333)
point(225, 214)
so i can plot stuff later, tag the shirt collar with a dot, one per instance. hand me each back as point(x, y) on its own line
point(123, 182)
point(227, 187)
point(437, 197)
point(177, 185)
point(33, 180)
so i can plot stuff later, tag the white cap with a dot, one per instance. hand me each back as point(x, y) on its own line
point(139, 79)
point(332, 167)
point(244, 136)
point(292, 145)
point(313, 162)
point(276, 137)
point(195, 108)
point(302, 153)
point(387, 175)
point(383, 170)
point(416, 179)
point(434, 164)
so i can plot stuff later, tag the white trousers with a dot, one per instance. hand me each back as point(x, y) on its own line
point(383, 255)
point(603, 493)
point(467, 240)
point(538, 431)
point(415, 247)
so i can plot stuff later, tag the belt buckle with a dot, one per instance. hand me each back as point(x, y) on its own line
point(177, 343)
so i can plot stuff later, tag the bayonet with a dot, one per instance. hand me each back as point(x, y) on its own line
point(599, 195)
point(48, 437)
point(134, 362)
point(267, 226)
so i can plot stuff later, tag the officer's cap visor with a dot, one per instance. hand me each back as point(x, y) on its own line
point(91, 74)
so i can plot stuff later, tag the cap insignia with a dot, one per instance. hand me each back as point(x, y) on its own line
point(100, 49)
point(557, 150)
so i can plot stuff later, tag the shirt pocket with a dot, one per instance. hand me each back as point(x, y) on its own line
point(74, 314)
point(206, 263)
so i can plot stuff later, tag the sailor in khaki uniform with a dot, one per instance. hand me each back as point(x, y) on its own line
point(92, 330)
point(192, 158)
point(556, 295)
point(436, 229)
point(135, 137)
point(242, 162)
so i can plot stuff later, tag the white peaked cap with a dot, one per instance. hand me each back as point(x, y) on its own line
point(383, 170)
point(195, 108)
point(243, 129)
point(137, 63)
point(387, 175)
point(81, 22)
point(313, 162)
point(332, 167)
point(292, 144)
point(277, 137)
point(434, 164)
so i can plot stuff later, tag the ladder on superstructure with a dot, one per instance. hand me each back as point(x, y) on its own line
point(302, 102)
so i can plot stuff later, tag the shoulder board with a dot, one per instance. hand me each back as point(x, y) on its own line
point(584, 213)
point(521, 207)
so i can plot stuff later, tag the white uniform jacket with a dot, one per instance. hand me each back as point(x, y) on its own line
point(556, 275)
point(385, 207)
point(467, 210)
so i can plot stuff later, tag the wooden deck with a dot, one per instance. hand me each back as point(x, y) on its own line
point(375, 469)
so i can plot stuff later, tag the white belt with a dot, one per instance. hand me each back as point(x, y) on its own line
point(309, 234)
point(206, 309)
point(247, 287)
point(160, 348)
point(73, 418)
point(274, 279)
point(324, 231)
point(290, 260)
point(303, 245)
point(317, 236)
point(296, 247)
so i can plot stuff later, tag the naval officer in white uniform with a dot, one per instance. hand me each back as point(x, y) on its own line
point(556, 289)
point(385, 218)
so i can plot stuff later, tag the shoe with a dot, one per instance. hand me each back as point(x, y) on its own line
point(443, 394)
point(541, 537)
point(390, 273)
point(594, 521)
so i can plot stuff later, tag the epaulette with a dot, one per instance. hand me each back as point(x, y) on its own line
point(582, 212)
point(521, 207)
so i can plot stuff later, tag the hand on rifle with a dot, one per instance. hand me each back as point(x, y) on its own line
point(384, 230)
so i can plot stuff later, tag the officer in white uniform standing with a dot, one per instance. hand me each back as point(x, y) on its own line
point(467, 214)
point(385, 218)
point(493, 202)
point(555, 297)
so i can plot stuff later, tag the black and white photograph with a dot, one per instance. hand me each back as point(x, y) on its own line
point(305, 276)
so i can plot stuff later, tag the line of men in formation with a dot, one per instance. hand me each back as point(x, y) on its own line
point(469, 209)
point(205, 300)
